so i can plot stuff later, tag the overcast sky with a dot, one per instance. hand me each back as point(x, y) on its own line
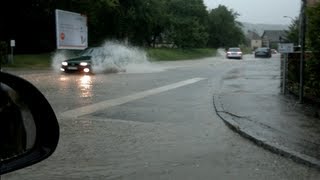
point(261, 11)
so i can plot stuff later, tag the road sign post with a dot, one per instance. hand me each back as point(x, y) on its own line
point(12, 45)
point(285, 48)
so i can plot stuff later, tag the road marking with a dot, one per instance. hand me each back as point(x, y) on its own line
point(119, 101)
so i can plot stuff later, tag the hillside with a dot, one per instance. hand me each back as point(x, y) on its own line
point(259, 28)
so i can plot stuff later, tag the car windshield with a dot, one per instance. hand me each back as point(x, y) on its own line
point(170, 89)
point(262, 49)
point(87, 52)
point(234, 50)
point(92, 52)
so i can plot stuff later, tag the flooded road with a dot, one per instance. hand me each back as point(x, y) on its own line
point(155, 125)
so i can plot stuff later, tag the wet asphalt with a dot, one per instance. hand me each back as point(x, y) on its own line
point(135, 131)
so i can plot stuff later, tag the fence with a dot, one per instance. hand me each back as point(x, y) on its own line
point(290, 73)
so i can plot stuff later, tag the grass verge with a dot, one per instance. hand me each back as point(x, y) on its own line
point(34, 61)
point(169, 54)
point(30, 61)
point(246, 50)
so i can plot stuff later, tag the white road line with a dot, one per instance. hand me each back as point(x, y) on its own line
point(122, 100)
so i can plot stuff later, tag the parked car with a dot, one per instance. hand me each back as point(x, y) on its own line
point(263, 52)
point(234, 52)
point(83, 62)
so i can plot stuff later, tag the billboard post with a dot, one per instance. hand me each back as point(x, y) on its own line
point(71, 30)
point(12, 45)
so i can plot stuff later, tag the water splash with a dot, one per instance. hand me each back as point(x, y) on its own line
point(122, 58)
point(58, 57)
point(115, 57)
point(221, 52)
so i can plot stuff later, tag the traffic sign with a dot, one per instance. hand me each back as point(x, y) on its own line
point(285, 48)
point(12, 43)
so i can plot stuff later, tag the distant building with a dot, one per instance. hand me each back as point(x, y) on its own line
point(255, 40)
point(271, 38)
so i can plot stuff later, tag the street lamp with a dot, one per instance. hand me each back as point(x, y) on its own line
point(289, 17)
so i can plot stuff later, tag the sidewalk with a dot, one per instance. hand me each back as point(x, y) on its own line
point(251, 104)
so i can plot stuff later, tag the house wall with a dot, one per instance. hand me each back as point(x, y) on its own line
point(256, 44)
point(265, 42)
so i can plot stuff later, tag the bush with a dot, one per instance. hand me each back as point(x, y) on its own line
point(312, 78)
point(3, 52)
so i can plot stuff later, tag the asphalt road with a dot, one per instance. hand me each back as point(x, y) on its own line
point(154, 125)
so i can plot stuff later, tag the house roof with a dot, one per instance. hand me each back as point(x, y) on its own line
point(253, 35)
point(273, 35)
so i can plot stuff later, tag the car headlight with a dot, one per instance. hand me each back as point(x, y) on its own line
point(83, 64)
point(64, 63)
point(86, 70)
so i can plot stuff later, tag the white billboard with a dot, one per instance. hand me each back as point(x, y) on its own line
point(71, 30)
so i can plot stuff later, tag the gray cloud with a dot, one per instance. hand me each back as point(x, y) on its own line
point(261, 11)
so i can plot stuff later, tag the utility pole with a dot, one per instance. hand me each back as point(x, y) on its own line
point(302, 41)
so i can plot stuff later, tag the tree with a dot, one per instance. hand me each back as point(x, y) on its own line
point(313, 28)
point(188, 20)
point(292, 35)
point(185, 23)
point(313, 43)
point(143, 21)
point(224, 30)
point(33, 23)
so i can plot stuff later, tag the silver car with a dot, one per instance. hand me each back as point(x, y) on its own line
point(234, 52)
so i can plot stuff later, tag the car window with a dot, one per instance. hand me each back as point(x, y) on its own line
point(87, 52)
point(234, 50)
point(262, 49)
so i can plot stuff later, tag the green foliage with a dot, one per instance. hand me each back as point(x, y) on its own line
point(184, 23)
point(144, 20)
point(292, 34)
point(3, 52)
point(245, 49)
point(188, 23)
point(31, 61)
point(224, 30)
point(188, 33)
point(313, 29)
point(313, 76)
point(313, 64)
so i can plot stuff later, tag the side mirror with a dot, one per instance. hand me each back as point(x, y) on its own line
point(29, 130)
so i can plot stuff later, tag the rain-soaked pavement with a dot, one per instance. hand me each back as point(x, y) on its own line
point(251, 102)
point(159, 125)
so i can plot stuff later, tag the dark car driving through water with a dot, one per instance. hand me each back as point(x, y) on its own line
point(83, 62)
point(263, 52)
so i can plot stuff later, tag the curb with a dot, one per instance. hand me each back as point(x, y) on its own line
point(272, 147)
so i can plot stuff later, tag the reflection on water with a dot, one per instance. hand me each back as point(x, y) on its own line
point(85, 85)
point(80, 84)
point(63, 78)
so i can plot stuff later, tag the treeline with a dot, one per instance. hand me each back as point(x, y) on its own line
point(175, 23)
point(312, 63)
